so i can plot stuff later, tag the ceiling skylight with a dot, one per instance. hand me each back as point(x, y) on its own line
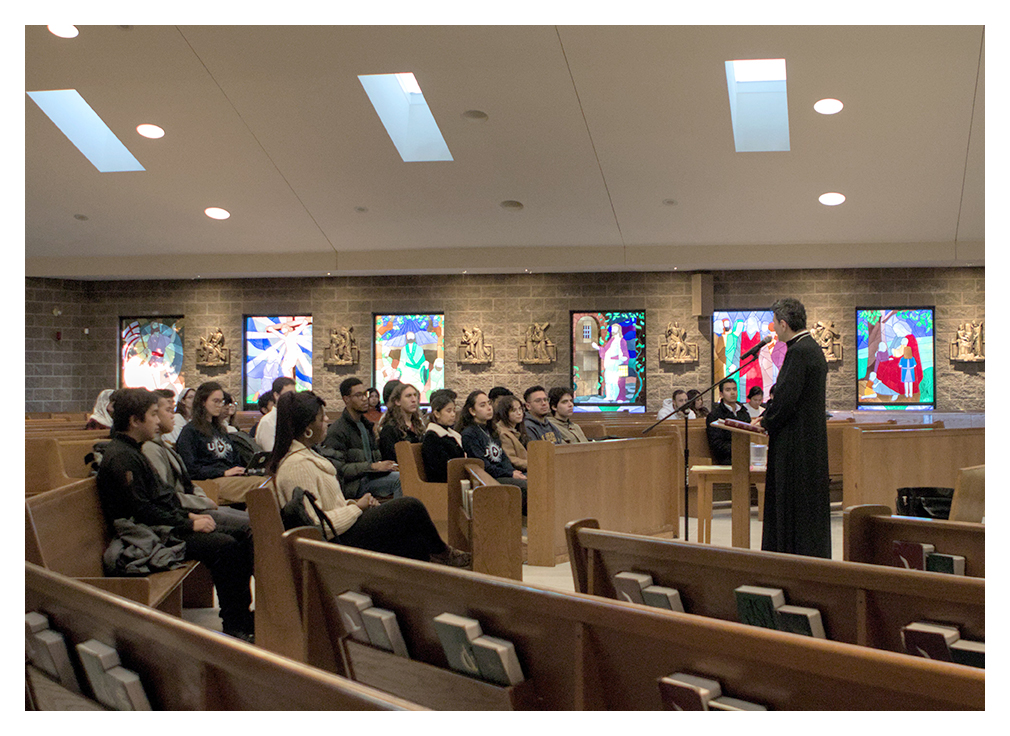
point(399, 102)
point(78, 122)
point(757, 104)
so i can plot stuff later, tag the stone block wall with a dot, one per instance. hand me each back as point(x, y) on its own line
point(66, 375)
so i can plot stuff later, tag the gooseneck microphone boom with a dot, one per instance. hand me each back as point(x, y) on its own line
point(754, 350)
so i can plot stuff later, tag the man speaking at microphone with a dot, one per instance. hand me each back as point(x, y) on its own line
point(797, 513)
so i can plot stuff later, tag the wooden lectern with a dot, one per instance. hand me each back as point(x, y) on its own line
point(740, 493)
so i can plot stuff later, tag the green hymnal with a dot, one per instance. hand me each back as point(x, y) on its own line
point(756, 605)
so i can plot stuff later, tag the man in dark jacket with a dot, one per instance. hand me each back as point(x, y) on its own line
point(797, 512)
point(351, 446)
point(720, 441)
point(131, 489)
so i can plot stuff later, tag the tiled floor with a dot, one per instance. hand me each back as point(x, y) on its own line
point(559, 577)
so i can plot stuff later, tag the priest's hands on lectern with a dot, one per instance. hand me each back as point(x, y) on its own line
point(797, 505)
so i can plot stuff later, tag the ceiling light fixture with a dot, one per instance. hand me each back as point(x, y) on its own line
point(474, 115)
point(150, 131)
point(828, 106)
point(511, 204)
point(670, 202)
point(64, 31)
point(216, 213)
point(831, 198)
point(361, 209)
point(82, 218)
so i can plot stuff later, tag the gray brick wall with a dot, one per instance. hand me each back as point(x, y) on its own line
point(66, 375)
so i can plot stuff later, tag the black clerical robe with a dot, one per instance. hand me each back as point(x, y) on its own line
point(797, 514)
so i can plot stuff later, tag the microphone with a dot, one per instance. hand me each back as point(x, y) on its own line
point(753, 351)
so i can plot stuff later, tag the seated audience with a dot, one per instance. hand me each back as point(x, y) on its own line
point(131, 489)
point(562, 403)
point(401, 422)
point(538, 408)
point(400, 527)
point(374, 413)
point(696, 403)
point(509, 421)
point(720, 441)
point(230, 407)
point(387, 391)
point(441, 443)
point(676, 405)
point(169, 466)
point(265, 429)
point(100, 418)
point(207, 449)
point(480, 440)
point(754, 398)
point(183, 411)
point(497, 392)
point(265, 403)
point(350, 445)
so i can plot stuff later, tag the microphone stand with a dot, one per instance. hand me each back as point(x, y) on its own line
point(687, 455)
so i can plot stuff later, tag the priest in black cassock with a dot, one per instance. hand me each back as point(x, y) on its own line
point(797, 514)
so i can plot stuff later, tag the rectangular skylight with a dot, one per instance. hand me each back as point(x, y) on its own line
point(400, 104)
point(78, 122)
point(757, 104)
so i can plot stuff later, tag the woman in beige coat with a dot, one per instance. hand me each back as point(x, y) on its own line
point(509, 418)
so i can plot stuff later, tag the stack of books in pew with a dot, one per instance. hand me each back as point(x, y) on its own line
point(942, 642)
point(766, 607)
point(683, 691)
point(466, 647)
point(110, 684)
point(919, 556)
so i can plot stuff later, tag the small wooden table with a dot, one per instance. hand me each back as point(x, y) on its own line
point(740, 477)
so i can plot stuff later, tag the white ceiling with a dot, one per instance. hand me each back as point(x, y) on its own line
point(590, 127)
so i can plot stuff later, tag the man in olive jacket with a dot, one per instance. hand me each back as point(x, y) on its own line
point(351, 446)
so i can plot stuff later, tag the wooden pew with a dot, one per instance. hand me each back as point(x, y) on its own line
point(492, 532)
point(582, 652)
point(66, 532)
point(73, 454)
point(44, 466)
point(968, 503)
point(278, 591)
point(879, 462)
point(869, 531)
point(183, 666)
point(860, 604)
point(414, 482)
point(633, 484)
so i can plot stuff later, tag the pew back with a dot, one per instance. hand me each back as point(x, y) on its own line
point(582, 652)
point(44, 466)
point(859, 603)
point(968, 503)
point(878, 462)
point(185, 667)
point(869, 531)
point(414, 482)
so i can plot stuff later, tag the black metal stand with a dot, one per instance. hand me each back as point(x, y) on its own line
point(687, 453)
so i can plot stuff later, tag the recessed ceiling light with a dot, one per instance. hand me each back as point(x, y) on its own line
point(217, 213)
point(361, 209)
point(670, 202)
point(63, 31)
point(511, 204)
point(828, 106)
point(82, 218)
point(831, 198)
point(475, 115)
point(150, 131)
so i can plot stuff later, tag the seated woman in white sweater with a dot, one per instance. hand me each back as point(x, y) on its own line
point(400, 527)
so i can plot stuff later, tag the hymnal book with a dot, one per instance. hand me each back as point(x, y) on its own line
point(457, 634)
point(737, 424)
point(497, 660)
point(660, 597)
point(910, 555)
point(629, 586)
point(756, 605)
point(384, 631)
point(97, 659)
point(127, 690)
point(800, 620)
point(950, 564)
point(681, 691)
point(49, 653)
point(350, 605)
point(931, 641)
point(34, 623)
point(725, 703)
point(971, 653)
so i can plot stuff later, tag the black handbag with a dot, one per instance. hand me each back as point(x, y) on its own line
point(927, 503)
point(293, 514)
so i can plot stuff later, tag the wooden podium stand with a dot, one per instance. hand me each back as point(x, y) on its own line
point(740, 493)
